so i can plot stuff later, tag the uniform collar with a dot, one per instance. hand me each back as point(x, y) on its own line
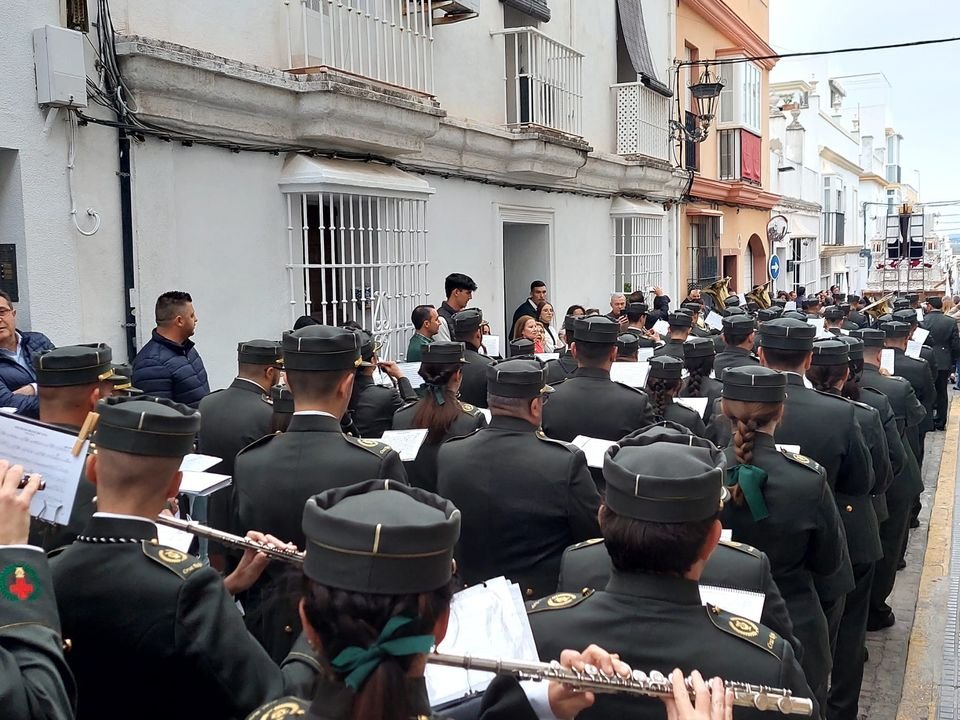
point(595, 373)
point(655, 587)
point(506, 422)
point(794, 379)
point(248, 385)
point(311, 422)
point(114, 528)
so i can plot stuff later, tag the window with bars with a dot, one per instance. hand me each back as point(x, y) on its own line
point(638, 252)
point(360, 258)
point(704, 251)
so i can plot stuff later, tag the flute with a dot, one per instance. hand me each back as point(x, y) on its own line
point(225, 538)
point(656, 684)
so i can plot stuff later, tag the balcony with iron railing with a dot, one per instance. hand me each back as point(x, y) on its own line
point(832, 228)
point(387, 41)
point(643, 118)
point(544, 82)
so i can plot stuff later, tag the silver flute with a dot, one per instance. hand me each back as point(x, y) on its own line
point(225, 538)
point(655, 684)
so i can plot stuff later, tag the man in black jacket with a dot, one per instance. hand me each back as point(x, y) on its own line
point(945, 341)
point(18, 381)
point(739, 334)
point(465, 326)
point(459, 289)
point(538, 294)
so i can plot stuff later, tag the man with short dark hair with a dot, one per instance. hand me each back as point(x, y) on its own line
point(945, 341)
point(18, 381)
point(529, 499)
point(459, 289)
point(426, 325)
point(855, 316)
point(169, 366)
point(739, 334)
point(466, 327)
point(680, 324)
point(538, 294)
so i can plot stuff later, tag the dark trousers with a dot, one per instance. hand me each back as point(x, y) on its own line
point(940, 382)
point(847, 674)
point(833, 609)
point(893, 540)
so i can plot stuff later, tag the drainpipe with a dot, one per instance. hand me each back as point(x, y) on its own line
point(126, 227)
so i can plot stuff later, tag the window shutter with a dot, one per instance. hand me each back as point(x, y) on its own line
point(534, 8)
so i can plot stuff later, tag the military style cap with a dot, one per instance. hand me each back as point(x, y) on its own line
point(521, 346)
point(698, 347)
point(895, 329)
point(731, 311)
point(467, 321)
point(596, 329)
point(569, 321)
point(282, 399)
point(680, 320)
point(628, 344)
point(380, 536)
point(260, 352)
point(854, 346)
point(830, 352)
point(795, 315)
point(844, 308)
point(121, 380)
point(638, 307)
point(442, 353)
point(321, 348)
point(305, 321)
point(692, 307)
point(518, 378)
point(870, 337)
point(907, 315)
point(74, 365)
point(664, 475)
point(771, 313)
point(146, 426)
point(368, 347)
point(779, 302)
point(853, 298)
point(901, 303)
point(833, 312)
point(752, 306)
point(665, 367)
point(884, 318)
point(739, 324)
point(732, 301)
point(753, 383)
point(787, 334)
point(912, 297)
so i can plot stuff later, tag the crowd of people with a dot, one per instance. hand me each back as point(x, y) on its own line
point(807, 452)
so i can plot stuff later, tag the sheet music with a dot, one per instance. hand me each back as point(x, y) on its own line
point(644, 354)
point(697, 404)
point(491, 344)
point(203, 483)
point(593, 448)
point(886, 359)
point(919, 315)
point(920, 335)
point(546, 357)
point(714, 320)
point(195, 462)
point(734, 600)
point(411, 371)
point(661, 327)
point(47, 451)
point(633, 374)
point(406, 442)
point(913, 348)
point(790, 305)
point(171, 537)
point(818, 325)
point(487, 620)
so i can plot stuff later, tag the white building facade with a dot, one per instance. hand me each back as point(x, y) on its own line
point(338, 158)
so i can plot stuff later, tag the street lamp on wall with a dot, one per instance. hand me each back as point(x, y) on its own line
point(706, 92)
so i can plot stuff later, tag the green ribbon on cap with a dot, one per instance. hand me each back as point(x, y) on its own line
point(750, 479)
point(357, 663)
point(438, 392)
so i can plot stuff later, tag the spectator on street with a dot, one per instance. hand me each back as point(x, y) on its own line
point(169, 366)
point(551, 339)
point(538, 294)
point(459, 289)
point(618, 305)
point(426, 324)
point(18, 381)
point(527, 328)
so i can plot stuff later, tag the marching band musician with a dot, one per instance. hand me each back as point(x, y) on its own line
point(135, 611)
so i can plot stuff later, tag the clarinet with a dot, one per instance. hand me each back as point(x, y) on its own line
point(655, 684)
point(225, 538)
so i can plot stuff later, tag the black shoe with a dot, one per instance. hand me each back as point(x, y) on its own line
point(866, 654)
point(914, 523)
point(880, 621)
point(901, 565)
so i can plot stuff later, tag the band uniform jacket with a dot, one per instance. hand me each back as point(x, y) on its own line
point(473, 387)
point(373, 405)
point(732, 356)
point(232, 419)
point(503, 699)
point(859, 319)
point(671, 347)
point(273, 479)
point(658, 622)
point(896, 454)
point(917, 372)
point(731, 565)
point(561, 368)
point(907, 408)
point(590, 403)
point(804, 539)
point(50, 536)
point(682, 415)
point(826, 429)
point(710, 389)
point(138, 613)
point(36, 683)
point(943, 338)
point(523, 497)
point(422, 472)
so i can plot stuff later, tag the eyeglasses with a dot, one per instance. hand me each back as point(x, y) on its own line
point(5, 311)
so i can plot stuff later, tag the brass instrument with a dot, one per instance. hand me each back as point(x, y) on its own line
point(879, 307)
point(654, 684)
point(760, 295)
point(225, 538)
point(718, 292)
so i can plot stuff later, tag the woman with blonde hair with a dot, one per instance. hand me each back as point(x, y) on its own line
point(527, 328)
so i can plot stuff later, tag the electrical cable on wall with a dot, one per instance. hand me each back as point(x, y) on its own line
point(71, 162)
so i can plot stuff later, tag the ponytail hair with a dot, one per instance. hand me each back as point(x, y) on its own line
point(747, 417)
point(851, 388)
point(825, 377)
point(661, 393)
point(430, 413)
point(698, 369)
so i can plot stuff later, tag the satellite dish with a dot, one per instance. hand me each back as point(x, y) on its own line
point(777, 229)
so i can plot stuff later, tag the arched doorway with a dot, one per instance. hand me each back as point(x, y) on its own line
point(755, 263)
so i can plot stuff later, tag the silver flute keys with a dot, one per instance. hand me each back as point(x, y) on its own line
point(655, 684)
point(225, 538)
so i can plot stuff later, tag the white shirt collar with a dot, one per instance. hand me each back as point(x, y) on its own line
point(255, 384)
point(120, 516)
point(315, 412)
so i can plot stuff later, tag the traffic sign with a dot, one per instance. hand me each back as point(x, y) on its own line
point(775, 267)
